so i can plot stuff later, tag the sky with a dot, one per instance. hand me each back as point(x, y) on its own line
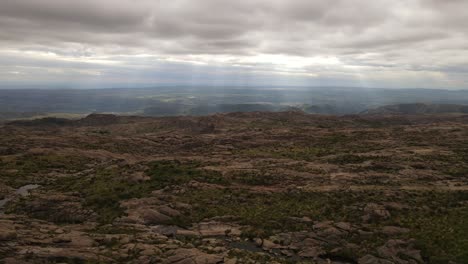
point(126, 43)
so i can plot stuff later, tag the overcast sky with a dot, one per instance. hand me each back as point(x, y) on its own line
point(103, 43)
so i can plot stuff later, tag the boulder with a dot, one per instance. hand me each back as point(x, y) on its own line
point(369, 259)
point(394, 230)
point(152, 217)
point(7, 232)
point(164, 209)
point(217, 229)
point(373, 212)
point(311, 252)
point(400, 251)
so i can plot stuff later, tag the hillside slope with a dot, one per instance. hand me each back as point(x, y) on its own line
point(417, 109)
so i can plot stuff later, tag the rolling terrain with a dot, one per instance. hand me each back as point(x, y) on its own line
point(259, 187)
point(198, 101)
point(418, 109)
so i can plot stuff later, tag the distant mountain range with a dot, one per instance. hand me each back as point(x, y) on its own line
point(194, 101)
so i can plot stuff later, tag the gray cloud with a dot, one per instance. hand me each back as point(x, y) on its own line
point(378, 40)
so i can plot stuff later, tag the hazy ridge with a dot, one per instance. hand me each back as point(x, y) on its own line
point(171, 101)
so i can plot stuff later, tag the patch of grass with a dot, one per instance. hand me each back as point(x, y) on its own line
point(293, 152)
point(175, 173)
point(108, 187)
point(101, 132)
point(457, 171)
point(349, 159)
point(442, 237)
point(379, 166)
point(316, 147)
point(254, 178)
point(441, 229)
point(437, 220)
point(32, 163)
point(245, 256)
point(269, 213)
point(30, 168)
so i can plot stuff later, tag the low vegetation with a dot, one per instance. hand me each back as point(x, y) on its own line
point(265, 187)
point(109, 186)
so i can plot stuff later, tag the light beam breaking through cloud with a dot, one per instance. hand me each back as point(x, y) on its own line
point(100, 43)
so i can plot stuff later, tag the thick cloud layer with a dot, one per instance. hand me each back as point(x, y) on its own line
point(385, 43)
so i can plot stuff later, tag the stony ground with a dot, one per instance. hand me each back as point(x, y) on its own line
point(235, 188)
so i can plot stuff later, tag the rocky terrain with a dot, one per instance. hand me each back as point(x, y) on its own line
point(235, 188)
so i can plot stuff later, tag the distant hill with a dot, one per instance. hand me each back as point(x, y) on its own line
point(417, 108)
point(228, 108)
point(190, 100)
point(18, 115)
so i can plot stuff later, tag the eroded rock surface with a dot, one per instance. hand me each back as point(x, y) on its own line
point(235, 188)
